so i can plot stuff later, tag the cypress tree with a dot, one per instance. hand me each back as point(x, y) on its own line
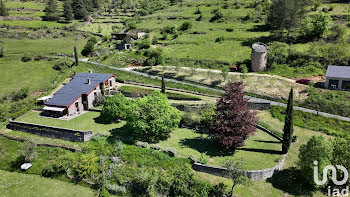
point(68, 10)
point(163, 85)
point(51, 11)
point(288, 124)
point(76, 56)
point(3, 9)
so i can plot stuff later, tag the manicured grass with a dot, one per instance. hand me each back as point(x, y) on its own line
point(87, 121)
point(260, 151)
point(26, 185)
point(170, 95)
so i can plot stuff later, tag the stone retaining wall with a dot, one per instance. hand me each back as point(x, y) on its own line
point(254, 175)
point(52, 132)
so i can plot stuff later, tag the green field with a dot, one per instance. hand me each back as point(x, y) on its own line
point(86, 121)
point(26, 185)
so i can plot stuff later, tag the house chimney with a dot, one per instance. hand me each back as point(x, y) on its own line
point(90, 71)
point(88, 81)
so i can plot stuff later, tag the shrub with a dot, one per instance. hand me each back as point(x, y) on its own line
point(152, 118)
point(243, 68)
point(278, 53)
point(185, 26)
point(155, 57)
point(20, 94)
point(220, 39)
point(86, 166)
point(115, 108)
point(103, 192)
point(198, 11)
point(88, 48)
point(144, 44)
point(169, 30)
point(28, 152)
point(99, 99)
point(317, 149)
point(61, 66)
point(230, 29)
point(316, 27)
point(218, 16)
point(207, 113)
point(26, 58)
point(199, 18)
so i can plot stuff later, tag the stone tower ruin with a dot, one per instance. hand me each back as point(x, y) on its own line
point(259, 57)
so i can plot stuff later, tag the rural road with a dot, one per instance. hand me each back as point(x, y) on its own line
point(204, 87)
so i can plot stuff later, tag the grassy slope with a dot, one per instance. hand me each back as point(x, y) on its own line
point(38, 75)
point(187, 143)
point(203, 46)
point(87, 121)
point(18, 184)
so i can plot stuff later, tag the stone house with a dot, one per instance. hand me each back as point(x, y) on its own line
point(79, 94)
point(338, 78)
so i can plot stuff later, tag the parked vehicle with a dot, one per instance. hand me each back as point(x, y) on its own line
point(304, 81)
point(233, 69)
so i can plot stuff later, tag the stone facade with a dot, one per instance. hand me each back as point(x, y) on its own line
point(254, 175)
point(51, 132)
point(259, 57)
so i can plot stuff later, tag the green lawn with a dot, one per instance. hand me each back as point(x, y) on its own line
point(260, 151)
point(87, 121)
point(26, 185)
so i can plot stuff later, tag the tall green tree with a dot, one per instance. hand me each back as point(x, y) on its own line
point(163, 85)
point(68, 10)
point(288, 124)
point(317, 149)
point(76, 56)
point(51, 11)
point(152, 118)
point(286, 14)
point(79, 9)
point(3, 9)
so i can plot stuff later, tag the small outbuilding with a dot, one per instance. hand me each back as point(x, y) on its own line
point(259, 57)
point(338, 78)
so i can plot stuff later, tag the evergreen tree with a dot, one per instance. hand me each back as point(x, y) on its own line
point(288, 124)
point(79, 9)
point(96, 4)
point(287, 14)
point(76, 56)
point(51, 11)
point(3, 9)
point(163, 85)
point(68, 10)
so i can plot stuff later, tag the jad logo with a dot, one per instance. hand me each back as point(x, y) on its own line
point(334, 191)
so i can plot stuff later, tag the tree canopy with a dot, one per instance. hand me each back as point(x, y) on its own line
point(152, 118)
point(233, 122)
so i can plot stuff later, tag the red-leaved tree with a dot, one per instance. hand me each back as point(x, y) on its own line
point(233, 123)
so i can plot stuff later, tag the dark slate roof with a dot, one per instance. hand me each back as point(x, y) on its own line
point(76, 87)
point(338, 72)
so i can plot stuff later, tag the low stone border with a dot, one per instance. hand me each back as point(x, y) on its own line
point(254, 175)
point(52, 132)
